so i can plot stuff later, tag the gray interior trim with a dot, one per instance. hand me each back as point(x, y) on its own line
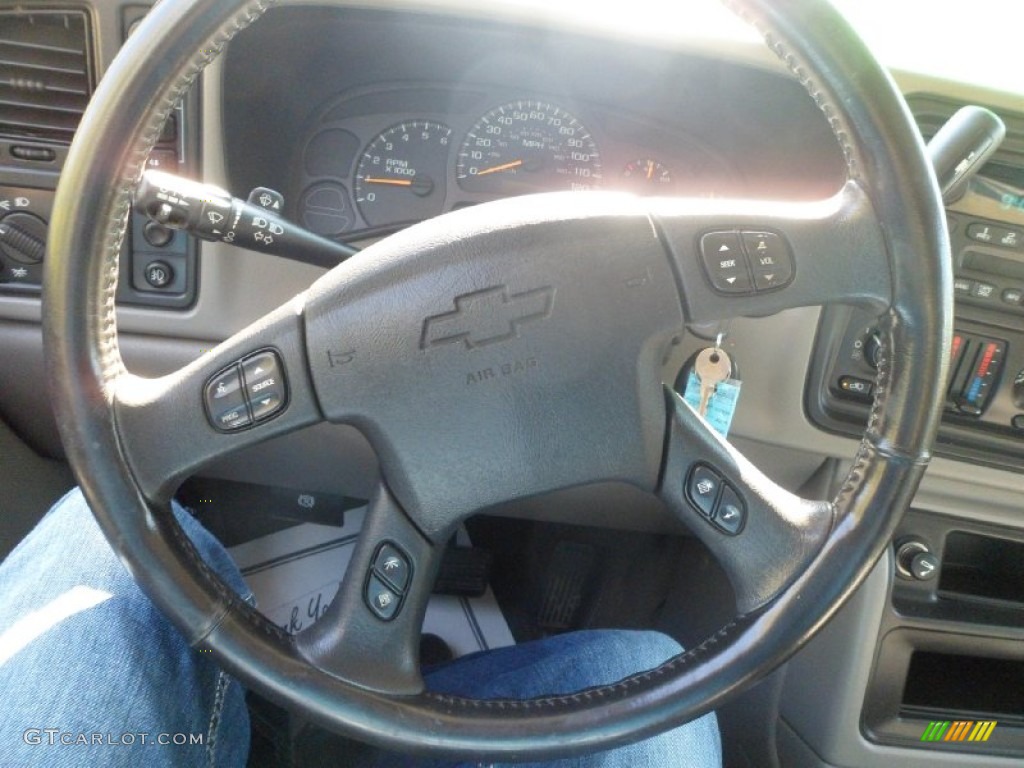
point(824, 692)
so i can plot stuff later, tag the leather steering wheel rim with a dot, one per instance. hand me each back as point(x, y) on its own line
point(885, 159)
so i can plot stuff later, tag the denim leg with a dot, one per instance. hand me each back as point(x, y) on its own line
point(568, 663)
point(91, 671)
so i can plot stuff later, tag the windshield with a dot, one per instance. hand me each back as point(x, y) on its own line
point(967, 43)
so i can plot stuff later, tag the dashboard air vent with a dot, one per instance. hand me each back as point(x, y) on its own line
point(45, 78)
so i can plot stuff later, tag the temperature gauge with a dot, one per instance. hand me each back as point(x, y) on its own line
point(647, 176)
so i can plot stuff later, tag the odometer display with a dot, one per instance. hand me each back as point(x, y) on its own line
point(528, 146)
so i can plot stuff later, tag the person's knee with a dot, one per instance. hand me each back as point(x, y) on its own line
point(621, 653)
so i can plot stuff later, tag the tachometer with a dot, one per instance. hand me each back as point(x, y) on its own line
point(401, 174)
point(528, 146)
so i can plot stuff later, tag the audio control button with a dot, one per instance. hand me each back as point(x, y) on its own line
point(265, 385)
point(982, 290)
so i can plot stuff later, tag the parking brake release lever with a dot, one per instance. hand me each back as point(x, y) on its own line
point(211, 213)
point(961, 147)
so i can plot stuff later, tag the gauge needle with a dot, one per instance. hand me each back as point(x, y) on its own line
point(502, 167)
point(396, 182)
point(421, 185)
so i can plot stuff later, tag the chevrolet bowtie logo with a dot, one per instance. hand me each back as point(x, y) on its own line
point(487, 317)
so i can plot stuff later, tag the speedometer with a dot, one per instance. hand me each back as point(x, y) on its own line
point(528, 146)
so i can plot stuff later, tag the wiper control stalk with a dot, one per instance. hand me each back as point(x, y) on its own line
point(211, 213)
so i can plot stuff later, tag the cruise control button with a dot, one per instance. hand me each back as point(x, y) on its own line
point(725, 262)
point(703, 488)
point(730, 514)
point(392, 565)
point(381, 599)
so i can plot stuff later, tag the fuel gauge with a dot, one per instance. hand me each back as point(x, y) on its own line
point(647, 176)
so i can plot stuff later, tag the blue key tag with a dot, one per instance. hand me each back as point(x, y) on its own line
point(721, 406)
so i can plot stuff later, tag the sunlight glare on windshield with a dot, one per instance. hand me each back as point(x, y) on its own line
point(965, 42)
point(968, 43)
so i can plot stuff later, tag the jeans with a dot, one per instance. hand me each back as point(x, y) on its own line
point(92, 674)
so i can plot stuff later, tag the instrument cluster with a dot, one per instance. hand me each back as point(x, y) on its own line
point(371, 165)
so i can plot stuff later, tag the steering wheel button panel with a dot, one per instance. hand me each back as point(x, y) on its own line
point(703, 489)
point(392, 565)
point(382, 599)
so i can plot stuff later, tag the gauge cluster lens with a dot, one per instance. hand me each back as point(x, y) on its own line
point(401, 173)
point(528, 146)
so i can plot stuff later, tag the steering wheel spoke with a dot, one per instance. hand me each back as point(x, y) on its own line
point(762, 535)
point(251, 387)
point(370, 634)
point(747, 258)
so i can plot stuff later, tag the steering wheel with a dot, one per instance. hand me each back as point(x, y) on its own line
point(497, 353)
